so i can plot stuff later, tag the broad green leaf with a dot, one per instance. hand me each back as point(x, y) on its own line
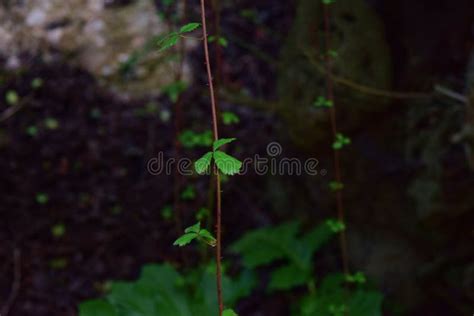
point(193, 229)
point(229, 312)
point(162, 291)
point(97, 308)
point(287, 277)
point(265, 245)
point(185, 239)
point(227, 164)
point(221, 142)
point(203, 163)
point(189, 27)
point(168, 42)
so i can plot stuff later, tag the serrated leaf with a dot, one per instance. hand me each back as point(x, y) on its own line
point(193, 229)
point(203, 163)
point(185, 239)
point(97, 308)
point(229, 312)
point(221, 142)
point(227, 164)
point(189, 27)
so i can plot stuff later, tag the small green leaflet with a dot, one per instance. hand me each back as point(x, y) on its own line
point(189, 193)
point(189, 27)
point(172, 38)
point(195, 232)
point(203, 163)
point(227, 164)
point(335, 225)
point(222, 41)
point(230, 118)
point(193, 229)
point(229, 312)
point(340, 141)
point(358, 277)
point(221, 142)
point(328, 1)
point(168, 41)
point(322, 102)
point(336, 186)
point(185, 239)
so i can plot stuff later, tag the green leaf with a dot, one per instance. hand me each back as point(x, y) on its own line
point(335, 225)
point(340, 141)
point(185, 239)
point(229, 312)
point(189, 27)
point(336, 186)
point(193, 229)
point(358, 277)
point(169, 41)
point(189, 193)
point(221, 142)
point(191, 139)
point(202, 213)
point(227, 164)
point(265, 245)
point(207, 237)
point(222, 41)
point(328, 1)
point(230, 118)
point(203, 163)
point(322, 102)
point(287, 277)
point(97, 308)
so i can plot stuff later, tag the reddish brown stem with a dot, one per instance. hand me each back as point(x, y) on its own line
point(216, 172)
point(337, 163)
